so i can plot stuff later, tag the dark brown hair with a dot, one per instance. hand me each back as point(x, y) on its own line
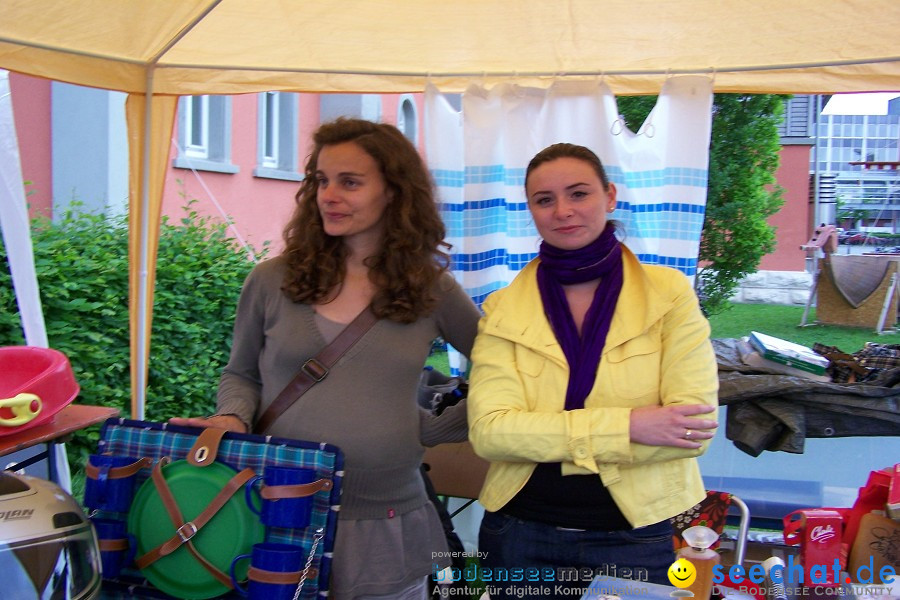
point(413, 252)
point(563, 150)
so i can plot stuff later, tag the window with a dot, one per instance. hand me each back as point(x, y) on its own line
point(407, 119)
point(269, 124)
point(277, 133)
point(196, 126)
point(204, 134)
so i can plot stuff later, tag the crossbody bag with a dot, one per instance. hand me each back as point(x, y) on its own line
point(316, 369)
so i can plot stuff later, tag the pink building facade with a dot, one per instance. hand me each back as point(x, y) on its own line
point(222, 162)
point(793, 222)
point(31, 108)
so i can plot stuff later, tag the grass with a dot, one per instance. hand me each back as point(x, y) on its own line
point(777, 320)
point(438, 360)
point(784, 322)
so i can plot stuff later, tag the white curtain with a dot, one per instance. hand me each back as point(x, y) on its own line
point(14, 224)
point(478, 157)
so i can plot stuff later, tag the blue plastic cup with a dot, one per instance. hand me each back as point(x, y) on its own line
point(110, 490)
point(274, 572)
point(117, 546)
point(293, 513)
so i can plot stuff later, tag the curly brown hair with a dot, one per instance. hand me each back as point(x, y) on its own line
point(413, 252)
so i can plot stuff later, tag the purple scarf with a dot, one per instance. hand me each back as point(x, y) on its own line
point(601, 259)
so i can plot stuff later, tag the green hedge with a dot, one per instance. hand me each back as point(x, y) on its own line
point(81, 261)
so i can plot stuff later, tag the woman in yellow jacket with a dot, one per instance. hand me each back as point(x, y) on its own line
point(593, 388)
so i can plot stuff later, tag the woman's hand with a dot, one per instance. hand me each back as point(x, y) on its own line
point(675, 425)
point(227, 422)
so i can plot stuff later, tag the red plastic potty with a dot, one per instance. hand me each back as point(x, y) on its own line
point(35, 384)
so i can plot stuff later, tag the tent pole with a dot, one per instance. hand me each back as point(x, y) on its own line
point(143, 333)
point(138, 403)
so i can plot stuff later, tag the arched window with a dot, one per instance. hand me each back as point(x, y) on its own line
point(408, 118)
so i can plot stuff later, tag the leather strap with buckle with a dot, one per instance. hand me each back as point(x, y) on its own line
point(185, 530)
point(205, 450)
point(278, 577)
point(298, 490)
point(93, 472)
point(316, 369)
point(113, 545)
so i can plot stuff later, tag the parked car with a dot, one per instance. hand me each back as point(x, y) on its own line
point(844, 234)
point(863, 238)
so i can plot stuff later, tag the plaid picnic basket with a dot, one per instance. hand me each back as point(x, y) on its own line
point(123, 437)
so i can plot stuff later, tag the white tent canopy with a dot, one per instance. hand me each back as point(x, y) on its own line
point(160, 49)
point(235, 46)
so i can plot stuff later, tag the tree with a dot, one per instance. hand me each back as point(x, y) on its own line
point(742, 193)
point(854, 216)
point(81, 261)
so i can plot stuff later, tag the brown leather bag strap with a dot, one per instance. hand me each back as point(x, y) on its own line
point(279, 577)
point(299, 490)
point(211, 568)
point(113, 545)
point(117, 472)
point(204, 451)
point(316, 369)
point(187, 530)
point(184, 531)
point(171, 506)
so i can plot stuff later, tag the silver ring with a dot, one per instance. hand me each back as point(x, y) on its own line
point(687, 434)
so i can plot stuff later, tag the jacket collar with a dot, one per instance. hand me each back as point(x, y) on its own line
point(641, 302)
point(519, 317)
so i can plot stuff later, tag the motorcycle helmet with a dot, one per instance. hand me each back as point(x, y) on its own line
point(48, 548)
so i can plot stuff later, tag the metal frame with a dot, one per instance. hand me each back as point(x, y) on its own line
point(743, 530)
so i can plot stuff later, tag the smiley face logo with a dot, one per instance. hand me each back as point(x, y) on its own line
point(682, 573)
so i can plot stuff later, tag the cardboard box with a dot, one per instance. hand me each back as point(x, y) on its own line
point(788, 353)
point(752, 358)
point(877, 544)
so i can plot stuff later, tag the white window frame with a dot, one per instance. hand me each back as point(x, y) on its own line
point(277, 138)
point(196, 106)
point(270, 128)
point(212, 152)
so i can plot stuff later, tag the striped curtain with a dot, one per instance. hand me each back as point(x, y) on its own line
point(478, 157)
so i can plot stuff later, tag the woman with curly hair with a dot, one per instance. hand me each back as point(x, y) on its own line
point(365, 232)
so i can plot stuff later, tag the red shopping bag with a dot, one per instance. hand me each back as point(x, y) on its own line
point(872, 497)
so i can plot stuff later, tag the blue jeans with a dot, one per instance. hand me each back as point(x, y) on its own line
point(554, 562)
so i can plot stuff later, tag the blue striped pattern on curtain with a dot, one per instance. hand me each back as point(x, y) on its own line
point(478, 159)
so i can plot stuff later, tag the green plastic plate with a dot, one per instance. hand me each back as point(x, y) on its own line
point(232, 531)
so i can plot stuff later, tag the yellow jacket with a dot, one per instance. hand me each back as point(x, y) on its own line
point(657, 352)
